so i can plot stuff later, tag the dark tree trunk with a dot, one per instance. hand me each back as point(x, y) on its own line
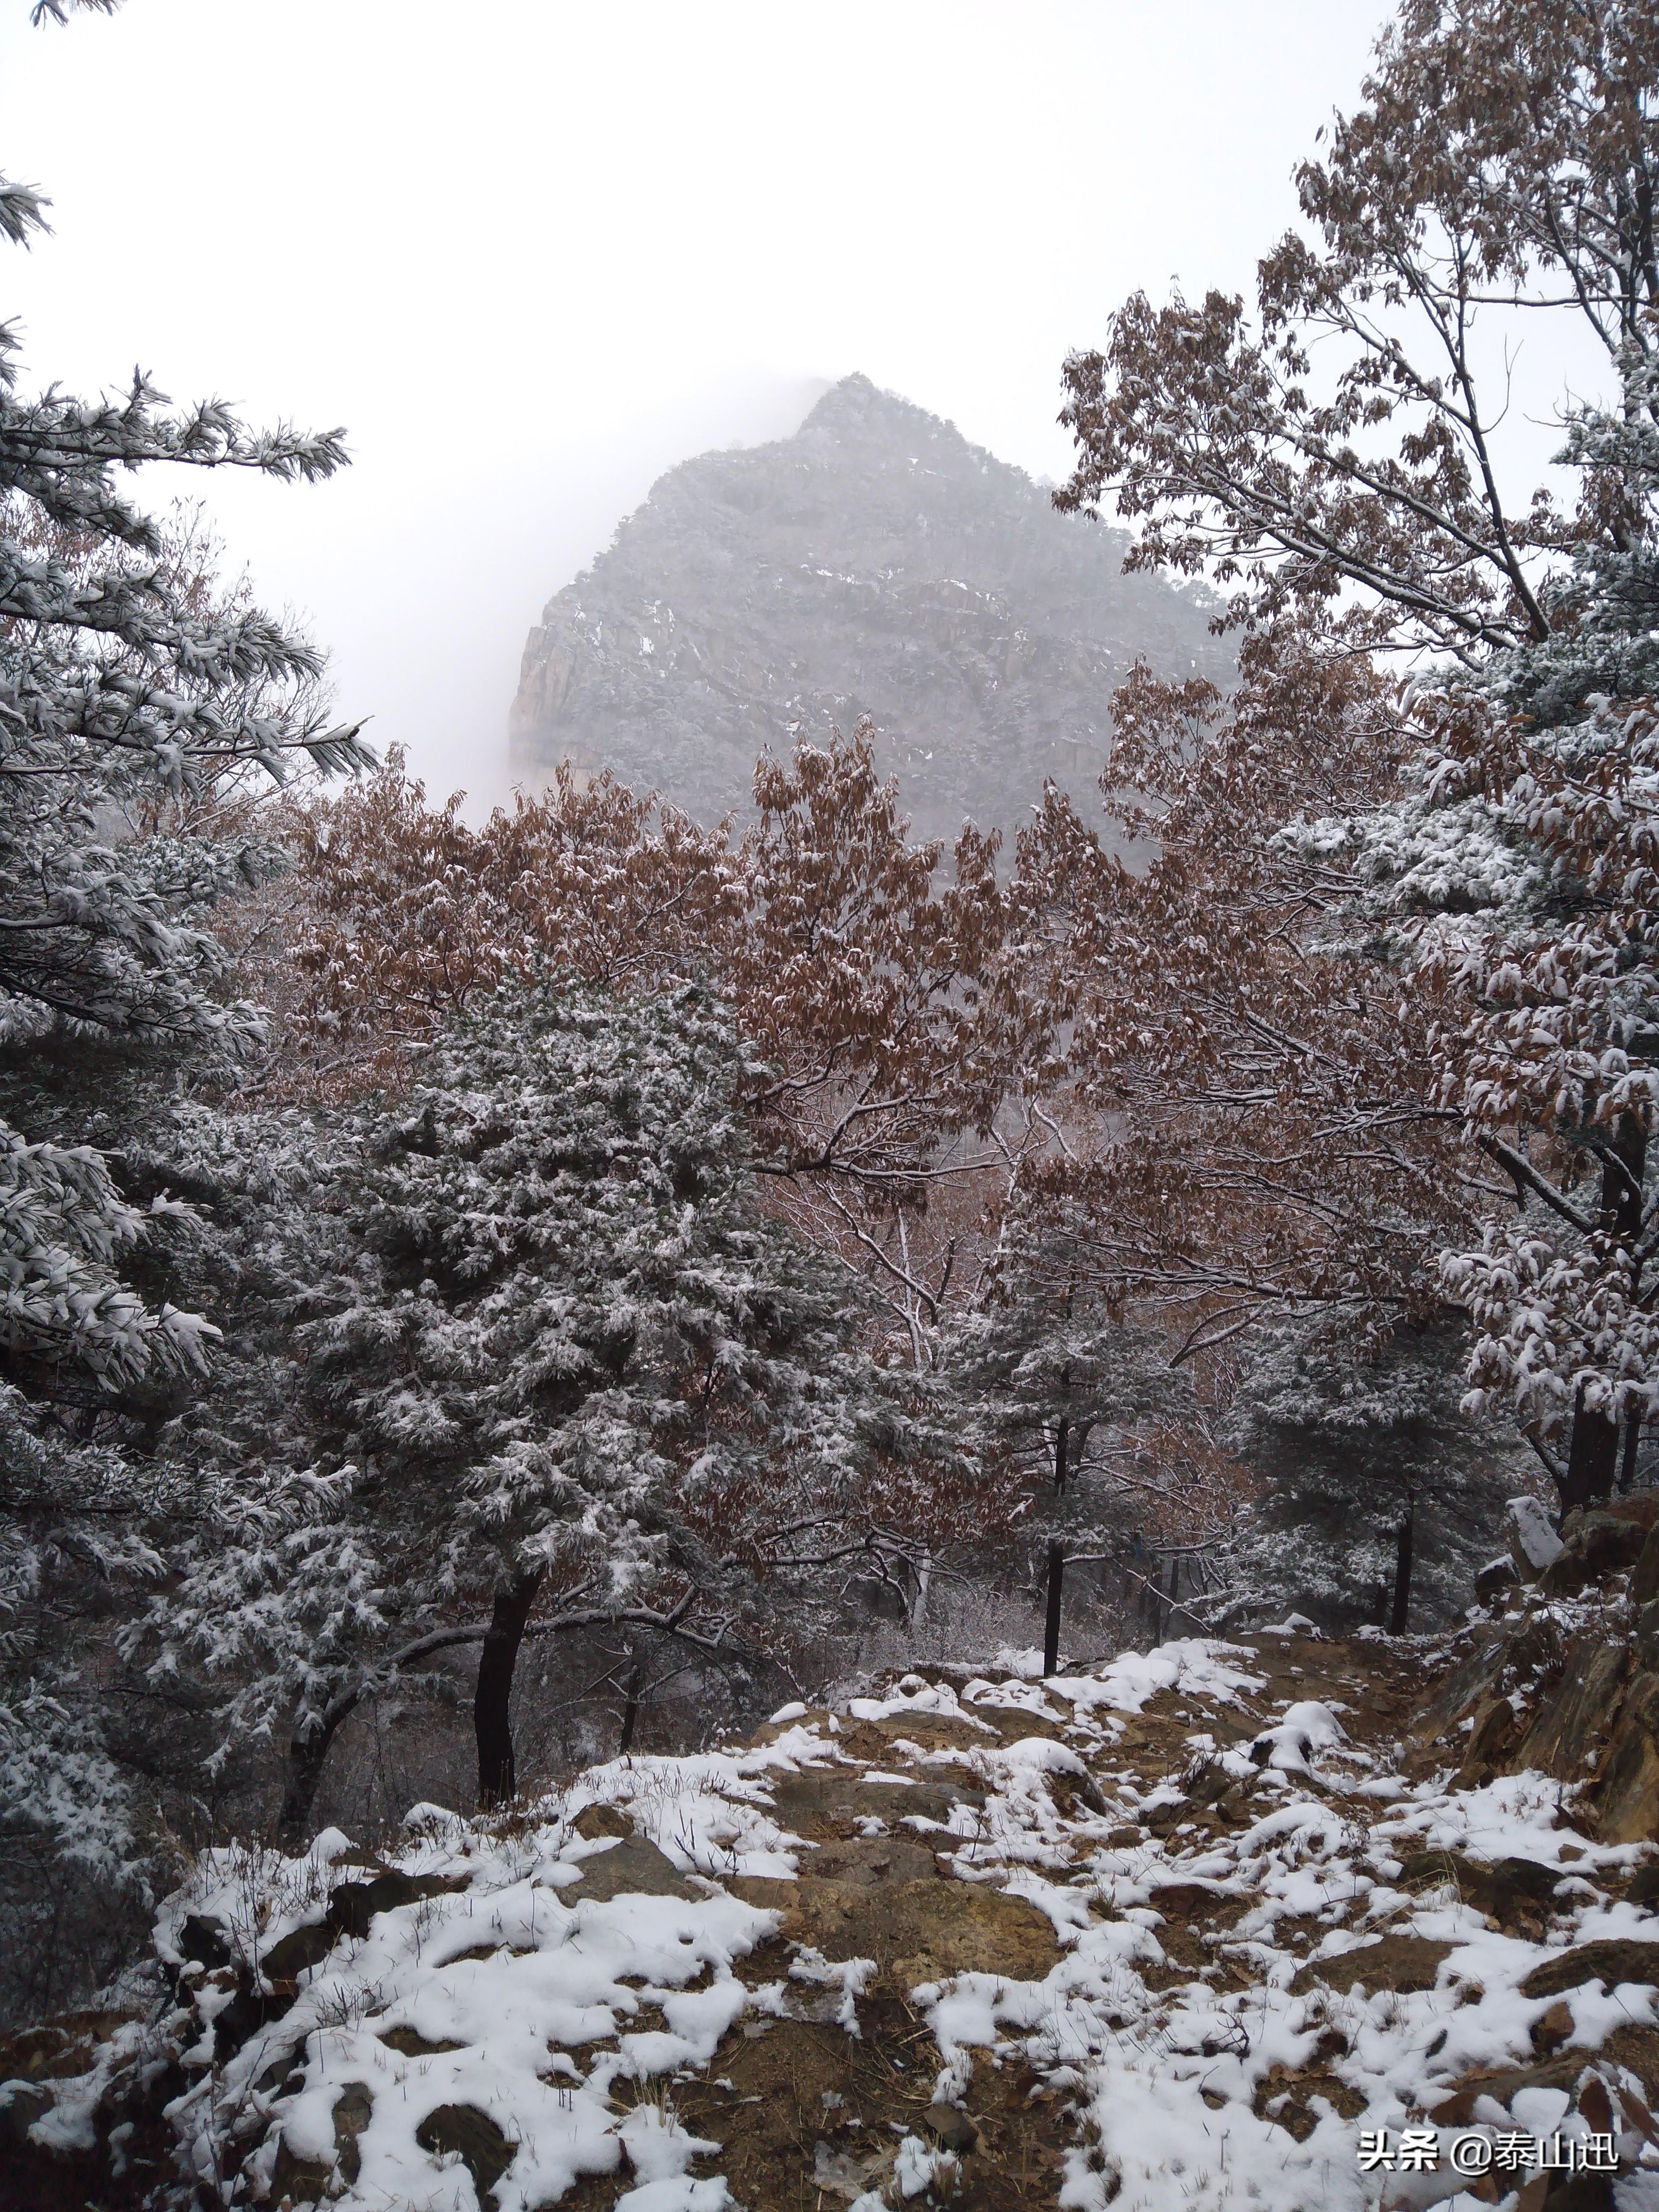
point(1592, 1457)
point(1062, 1437)
point(1174, 1592)
point(630, 1709)
point(1593, 1454)
point(303, 1770)
point(1150, 1601)
point(492, 1723)
point(1051, 1627)
point(1632, 1442)
point(1403, 1573)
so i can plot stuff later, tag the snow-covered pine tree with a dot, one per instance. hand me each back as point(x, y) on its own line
point(563, 1369)
point(120, 686)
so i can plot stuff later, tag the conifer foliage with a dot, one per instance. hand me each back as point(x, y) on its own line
point(123, 694)
point(563, 1360)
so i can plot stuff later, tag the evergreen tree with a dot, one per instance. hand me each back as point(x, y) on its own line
point(555, 1355)
point(126, 692)
point(1377, 1503)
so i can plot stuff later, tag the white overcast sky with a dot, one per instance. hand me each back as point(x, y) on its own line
point(531, 254)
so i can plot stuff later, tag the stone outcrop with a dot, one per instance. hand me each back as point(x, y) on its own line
point(1566, 1681)
point(1173, 1883)
point(874, 563)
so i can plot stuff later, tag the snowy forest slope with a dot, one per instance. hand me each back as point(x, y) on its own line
point(1194, 1926)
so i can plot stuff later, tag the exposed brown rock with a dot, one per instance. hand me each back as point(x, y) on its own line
point(471, 2135)
point(594, 1822)
point(632, 1868)
point(1577, 1712)
point(1397, 1962)
point(918, 1932)
point(1644, 1575)
point(1629, 1808)
point(409, 2044)
point(1469, 1683)
point(1611, 1961)
point(1594, 1545)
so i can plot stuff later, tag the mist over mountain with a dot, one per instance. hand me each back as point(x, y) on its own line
point(874, 563)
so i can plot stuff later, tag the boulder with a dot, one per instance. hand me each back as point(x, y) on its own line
point(632, 1868)
point(594, 1822)
point(1532, 1540)
point(464, 2132)
point(1495, 1578)
point(1644, 1575)
point(1611, 1961)
point(1395, 1962)
point(1594, 1545)
point(354, 1903)
point(1505, 1888)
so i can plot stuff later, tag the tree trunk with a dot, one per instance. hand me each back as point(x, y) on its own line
point(924, 1583)
point(1632, 1443)
point(492, 1723)
point(303, 1770)
point(630, 1709)
point(1592, 1457)
point(1051, 1627)
point(1593, 1454)
point(1062, 1434)
point(1403, 1573)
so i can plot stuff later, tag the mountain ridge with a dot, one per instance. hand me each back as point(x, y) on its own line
point(874, 563)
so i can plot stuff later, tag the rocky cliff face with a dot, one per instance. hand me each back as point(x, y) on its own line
point(875, 563)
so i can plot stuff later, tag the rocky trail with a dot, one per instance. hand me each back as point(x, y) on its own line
point(1173, 1929)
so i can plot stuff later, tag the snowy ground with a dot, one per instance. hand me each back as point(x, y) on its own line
point(1080, 1940)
